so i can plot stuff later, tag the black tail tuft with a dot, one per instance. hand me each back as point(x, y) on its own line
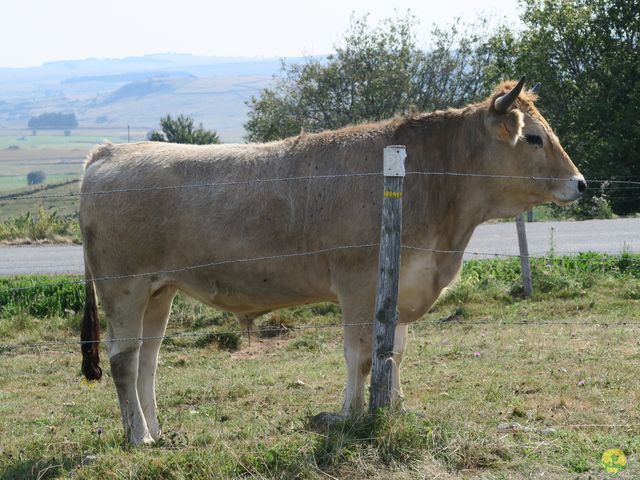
point(90, 333)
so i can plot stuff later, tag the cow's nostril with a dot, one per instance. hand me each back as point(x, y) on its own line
point(582, 186)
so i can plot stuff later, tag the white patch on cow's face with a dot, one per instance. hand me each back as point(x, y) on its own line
point(569, 190)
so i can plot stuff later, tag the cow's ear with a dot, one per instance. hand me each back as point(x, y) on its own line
point(507, 127)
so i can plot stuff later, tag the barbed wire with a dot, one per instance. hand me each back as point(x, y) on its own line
point(196, 267)
point(555, 255)
point(209, 185)
point(551, 256)
point(518, 177)
point(279, 329)
point(307, 177)
point(73, 196)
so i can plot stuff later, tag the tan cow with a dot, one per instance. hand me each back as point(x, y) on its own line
point(139, 241)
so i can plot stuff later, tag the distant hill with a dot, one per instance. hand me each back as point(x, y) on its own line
point(137, 91)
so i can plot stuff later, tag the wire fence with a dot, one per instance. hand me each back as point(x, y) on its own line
point(267, 331)
point(555, 256)
point(156, 188)
point(631, 185)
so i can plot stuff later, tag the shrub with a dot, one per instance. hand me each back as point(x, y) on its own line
point(39, 226)
point(35, 177)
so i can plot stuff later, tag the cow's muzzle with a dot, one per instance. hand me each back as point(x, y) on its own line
point(568, 190)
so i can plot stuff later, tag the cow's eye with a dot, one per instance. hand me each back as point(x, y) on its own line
point(534, 140)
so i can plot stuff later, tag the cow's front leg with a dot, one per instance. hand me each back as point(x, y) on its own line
point(399, 346)
point(358, 349)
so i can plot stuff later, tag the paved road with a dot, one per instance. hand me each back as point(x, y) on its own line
point(606, 236)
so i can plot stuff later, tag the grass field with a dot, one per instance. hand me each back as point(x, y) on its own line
point(55, 139)
point(13, 183)
point(59, 197)
point(508, 388)
point(25, 217)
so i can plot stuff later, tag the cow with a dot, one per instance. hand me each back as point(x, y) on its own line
point(250, 228)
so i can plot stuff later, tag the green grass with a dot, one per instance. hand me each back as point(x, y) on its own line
point(473, 367)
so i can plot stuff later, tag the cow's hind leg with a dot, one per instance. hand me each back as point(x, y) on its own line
point(357, 353)
point(124, 304)
point(155, 321)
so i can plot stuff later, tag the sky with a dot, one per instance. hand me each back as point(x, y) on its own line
point(38, 31)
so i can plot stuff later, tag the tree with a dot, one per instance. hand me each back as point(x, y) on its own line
point(378, 73)
point(62, 121)
point(35, 177)
point(585, 53)
point(182, 130)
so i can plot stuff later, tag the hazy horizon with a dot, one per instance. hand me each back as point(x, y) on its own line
point(72, 30)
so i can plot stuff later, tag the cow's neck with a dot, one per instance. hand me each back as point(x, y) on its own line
point(443, 211)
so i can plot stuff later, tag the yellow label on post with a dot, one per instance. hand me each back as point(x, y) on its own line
point(392, 194)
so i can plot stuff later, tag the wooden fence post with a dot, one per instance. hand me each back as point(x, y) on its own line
point(386, 311)
point(527, 287)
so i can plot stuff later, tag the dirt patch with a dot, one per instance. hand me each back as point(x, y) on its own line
point(258, 347)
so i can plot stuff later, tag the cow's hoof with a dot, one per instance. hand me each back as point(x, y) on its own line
point(326, 420)
point(147, 440)
point(157, 436)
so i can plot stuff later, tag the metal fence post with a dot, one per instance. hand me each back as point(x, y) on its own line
point(386, 311)
point(527, 287)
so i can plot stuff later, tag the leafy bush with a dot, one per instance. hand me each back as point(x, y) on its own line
point(41, 226)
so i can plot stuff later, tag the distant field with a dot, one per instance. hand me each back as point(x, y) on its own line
point(65, 206)
point(55, 139)
point(14, 182)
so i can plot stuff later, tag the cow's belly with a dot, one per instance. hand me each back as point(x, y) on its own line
point(248, 292)
point(256, 285)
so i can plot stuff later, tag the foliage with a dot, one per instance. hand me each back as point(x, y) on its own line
point(62, 121)
point(35, 177)
point(40, 226)
point(375, 74)
point(585, 53)
point(182, 130)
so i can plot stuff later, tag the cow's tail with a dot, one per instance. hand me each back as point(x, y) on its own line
point(90, 332)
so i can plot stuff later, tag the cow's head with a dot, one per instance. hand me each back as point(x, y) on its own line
point(524, 145)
